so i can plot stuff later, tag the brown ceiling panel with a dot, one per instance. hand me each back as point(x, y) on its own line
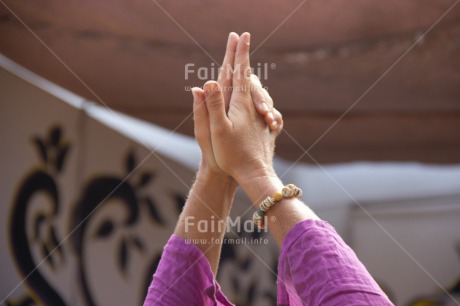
point(324, 58)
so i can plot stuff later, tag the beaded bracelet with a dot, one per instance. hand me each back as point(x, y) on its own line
point(289, 191)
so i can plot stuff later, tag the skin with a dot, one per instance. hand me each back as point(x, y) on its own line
point(236, 130)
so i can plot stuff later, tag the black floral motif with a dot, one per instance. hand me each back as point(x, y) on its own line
point(44, 236)
point(153, 211)
point(41, 181)
point(52, 150)
point(98, 193)
point(105, 229)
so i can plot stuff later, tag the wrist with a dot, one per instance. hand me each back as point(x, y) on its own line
point(209, 177)
point(259, 175)
point(258, 187)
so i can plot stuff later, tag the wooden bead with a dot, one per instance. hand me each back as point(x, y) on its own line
point(286, 192)
point(269, 202)
point(260, 212)
point(263, 206)
point(299, 195)
point(278, 196)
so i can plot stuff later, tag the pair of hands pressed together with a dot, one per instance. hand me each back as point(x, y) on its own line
point(233, 137)
point(236, 127)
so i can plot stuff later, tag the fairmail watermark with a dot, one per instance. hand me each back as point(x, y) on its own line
point(232, 241)
point(237, 228)
point(212, 72)
point(228, 225)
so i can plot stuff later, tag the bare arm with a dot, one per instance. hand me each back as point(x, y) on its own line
point(211, 196)
point(209, 201)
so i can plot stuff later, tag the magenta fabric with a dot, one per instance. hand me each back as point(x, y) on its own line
point(184, 277)
point(315, 268)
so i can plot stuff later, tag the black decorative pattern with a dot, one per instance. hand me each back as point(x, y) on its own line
point(52, 152)
point(44, 239)
point(42, 181)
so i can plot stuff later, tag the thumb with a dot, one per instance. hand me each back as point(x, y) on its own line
point(216, 106)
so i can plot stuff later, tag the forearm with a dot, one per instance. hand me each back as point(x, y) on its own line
point(286, 213)
point(204, 217)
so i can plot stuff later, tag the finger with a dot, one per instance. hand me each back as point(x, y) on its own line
point(242, 67)
point(278, 119)
point(258, 96)
point(255, 78)
point(200, 117)
point(226, 71)
point(268, 98)
point(215, 105)
point(270, 117)
point(270, 120)
point(201, 125)
point(262, 101)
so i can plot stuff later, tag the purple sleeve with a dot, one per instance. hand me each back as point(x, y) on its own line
point(316, 267)
point(184, 277)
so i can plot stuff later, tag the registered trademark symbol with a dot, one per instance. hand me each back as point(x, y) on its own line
point(272, 65)
point(273, 218)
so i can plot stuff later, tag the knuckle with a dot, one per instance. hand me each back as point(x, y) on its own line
point(244, 72)
point(219, 130)
point(215, 104)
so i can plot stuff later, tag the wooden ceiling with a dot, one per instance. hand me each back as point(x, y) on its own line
point(348, 76)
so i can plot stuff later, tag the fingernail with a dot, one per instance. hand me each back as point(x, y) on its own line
point(264, 106)
point(273, 125)
point(194, 94)
point(270, 115)
point(229, 37)
point(246, 38)
point(211, 87)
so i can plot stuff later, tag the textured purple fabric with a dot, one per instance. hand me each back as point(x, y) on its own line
point(184, 277)
point(315, 268)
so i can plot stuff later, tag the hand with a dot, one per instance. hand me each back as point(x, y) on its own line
point(261, 98)
point(241, 142)
point(200, 113)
